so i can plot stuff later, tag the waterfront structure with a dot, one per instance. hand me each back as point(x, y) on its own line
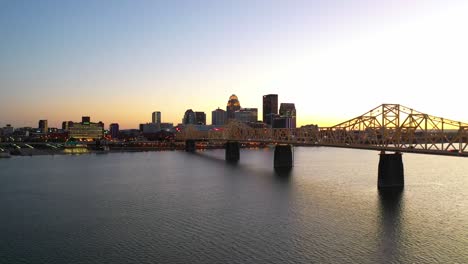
point(86, 130)
point(233, 105)
point(270, 108)
point(246, 115)
point(200, 118)
point(189, 118)
point(218, 117)
point(114, 130)
point(156, 117)
point(43, 127)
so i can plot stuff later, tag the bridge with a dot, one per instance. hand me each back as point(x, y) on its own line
point(386, 128)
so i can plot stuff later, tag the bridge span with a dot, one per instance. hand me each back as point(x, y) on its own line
point(387, 128)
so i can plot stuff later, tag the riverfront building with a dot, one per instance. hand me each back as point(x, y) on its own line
point(86, 130)
point(200, 118)
point(114, 130)
point(43, 127)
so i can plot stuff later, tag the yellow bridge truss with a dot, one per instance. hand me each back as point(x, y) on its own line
point(391, 127)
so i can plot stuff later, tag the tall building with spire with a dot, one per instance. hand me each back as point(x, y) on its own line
point(233, 105)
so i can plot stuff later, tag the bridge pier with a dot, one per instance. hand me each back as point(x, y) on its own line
point(283, 157)
point(391, 173)
point(232, 151)
point(190, 145)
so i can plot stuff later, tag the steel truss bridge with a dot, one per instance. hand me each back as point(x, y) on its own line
point(388, 127)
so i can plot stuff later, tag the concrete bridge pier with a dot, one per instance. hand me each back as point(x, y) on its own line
point(283, 157)
point(391, 173)
point(232, 151)
point(190, 145)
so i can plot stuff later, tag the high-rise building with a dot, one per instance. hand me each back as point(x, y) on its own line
point(218, 117)
point(247, 115)
point(200, 118)
point(189, 118)
point(156, 117)
point(233, 105)
point(288, 110)
point(270, 108)
point(43, 127)
point(114, 130)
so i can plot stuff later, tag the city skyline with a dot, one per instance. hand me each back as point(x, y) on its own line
point(119, 62)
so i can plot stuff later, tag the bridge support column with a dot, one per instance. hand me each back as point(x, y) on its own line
point(391, 173)
point(232, 151)
point(283, 157)
point(190, 145)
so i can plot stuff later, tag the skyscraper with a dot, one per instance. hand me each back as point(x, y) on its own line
point(270, 108)
point(247, 115)
point(200, 118)
point(218, 117)
point(189, 118)
point(43, 126)
point(156, 117)
point(233, 105)
point(288, 110)
point(114, 130)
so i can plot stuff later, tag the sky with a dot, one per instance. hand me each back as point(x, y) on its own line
point(118, 61)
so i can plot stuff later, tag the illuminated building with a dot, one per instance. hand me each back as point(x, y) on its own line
point(246, 115)
point(86, 130)
point(233, 105)
point(189, 118)
point(114, 130)
point(218, 117)
point(43, 126)
point(156, 117)
point(200, 118)
point(270, 108)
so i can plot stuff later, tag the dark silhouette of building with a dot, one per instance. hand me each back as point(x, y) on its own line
point(85, 119)
point(233, 105)
point(247, 115)
point(218, 117)
point(43, 127)
point(114, 130)
point(287, 111)
point(66, 125)
point(189, 118)
point(270, 108)
point(200, 118)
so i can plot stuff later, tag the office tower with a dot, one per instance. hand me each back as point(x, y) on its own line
point(247, 115)
point(43, 127)
point(189, 118)
point(200, 118)
point(114, 130)
point(270, 108)
point(218, 117)
point(288, 111)
point(156, 117)
point(233, 105)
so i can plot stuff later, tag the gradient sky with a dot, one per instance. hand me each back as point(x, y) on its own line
point(118, 61)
